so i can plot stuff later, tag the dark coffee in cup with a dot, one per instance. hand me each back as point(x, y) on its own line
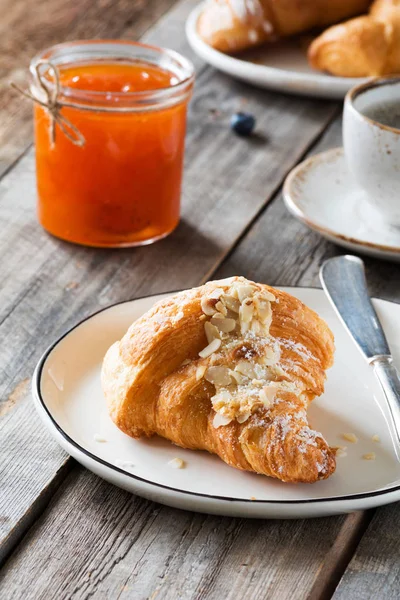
point(387, 113)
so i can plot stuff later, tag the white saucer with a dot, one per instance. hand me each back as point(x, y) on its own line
point(321, 193)
point(68, 397)
point(281, 66)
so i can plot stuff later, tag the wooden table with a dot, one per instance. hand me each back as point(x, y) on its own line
point(65, 533)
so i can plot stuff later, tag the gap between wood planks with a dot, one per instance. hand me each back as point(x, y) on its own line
point(340, 555)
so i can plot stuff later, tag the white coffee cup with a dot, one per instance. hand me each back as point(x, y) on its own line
point(372, 149)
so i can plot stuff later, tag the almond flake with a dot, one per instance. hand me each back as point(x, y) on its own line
point(243, 417)
point(265, 397)
point(201, 369)
point(244, 291)
point(232, 303)
point(99, 438)
point(187, 361)
point(227, 280)
point(375, 438)
point(221, 399)
point(212, 347)
point(271, 391)
point(269, 296)
point(269, 358)
point(256, 327)
point(238, 377)
point(263, 309)
point(264, 360)
point(369, 456)
point(211, 332)
point(245, 368)
point(223, 324)
point(208, 306)
point(246, 313)
point(218, 376)
point(220, 420)
point(340, 452)
point(176, 463)
point(216, 294)
point(350, 437)
point(221, 308)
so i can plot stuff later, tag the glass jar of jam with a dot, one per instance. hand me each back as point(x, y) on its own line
point(112, 175)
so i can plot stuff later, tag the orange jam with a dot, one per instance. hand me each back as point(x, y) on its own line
point(123, 186)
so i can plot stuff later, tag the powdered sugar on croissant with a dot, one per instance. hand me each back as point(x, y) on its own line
point(230, 368)
point(245, 368)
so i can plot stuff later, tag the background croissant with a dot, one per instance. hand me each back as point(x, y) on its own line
point(229, 367)
point(232, 25)
point(361, 47)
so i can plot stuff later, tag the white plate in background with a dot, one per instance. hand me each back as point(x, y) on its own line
point(68, 397)
point(280, 66)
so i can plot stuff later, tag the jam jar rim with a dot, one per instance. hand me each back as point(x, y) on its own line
point(70, 53)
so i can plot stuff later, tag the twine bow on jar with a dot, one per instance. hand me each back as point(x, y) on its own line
point(46, 94)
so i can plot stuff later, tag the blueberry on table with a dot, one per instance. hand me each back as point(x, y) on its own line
point(242, 123)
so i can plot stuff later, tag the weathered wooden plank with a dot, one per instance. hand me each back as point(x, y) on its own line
point(128, 19)
point(98, 541)
point(28, 27)
point(48, 285)
point(374, 571)
point(203, 557)
point(281, 250)
point(272, 251)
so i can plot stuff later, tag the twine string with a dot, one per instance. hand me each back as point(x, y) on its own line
point(50, 91)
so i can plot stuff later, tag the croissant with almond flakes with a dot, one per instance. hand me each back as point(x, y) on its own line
point(229, 367)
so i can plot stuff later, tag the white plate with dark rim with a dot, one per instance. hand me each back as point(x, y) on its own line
point(321, 193)
point(69, 399)
point(280, 66)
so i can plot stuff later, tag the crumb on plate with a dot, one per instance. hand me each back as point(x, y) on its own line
point(124, 464)
point(341, 452)
point(369, 456)
point(176, 463)
point(350, 437)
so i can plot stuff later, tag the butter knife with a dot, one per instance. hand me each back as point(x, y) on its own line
point(344, 282)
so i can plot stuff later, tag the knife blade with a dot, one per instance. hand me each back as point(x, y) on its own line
point(344, 282)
